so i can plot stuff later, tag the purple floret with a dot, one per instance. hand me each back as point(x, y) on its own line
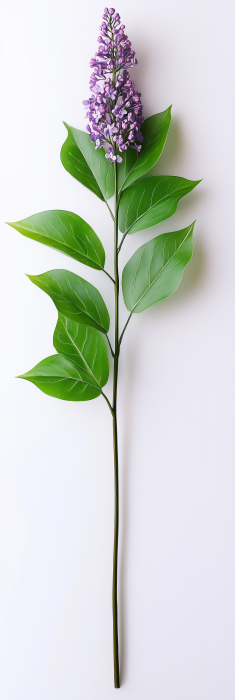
point(114, 111)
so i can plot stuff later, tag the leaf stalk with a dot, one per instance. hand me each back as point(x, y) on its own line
point(126, 324)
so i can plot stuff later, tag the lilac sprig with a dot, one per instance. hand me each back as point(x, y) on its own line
point(115, 109)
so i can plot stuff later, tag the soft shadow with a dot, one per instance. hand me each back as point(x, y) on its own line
point(173, 151)
point(190, 282)
point(131, 365)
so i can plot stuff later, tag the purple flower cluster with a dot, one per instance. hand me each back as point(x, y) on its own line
point(114, 110)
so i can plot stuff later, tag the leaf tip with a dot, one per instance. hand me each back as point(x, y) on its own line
point(31, 277)
point(191, 227)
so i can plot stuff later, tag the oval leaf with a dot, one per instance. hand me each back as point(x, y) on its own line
point(89, 166)
point(151, 201)
point(156, 268)
point(134, 165)
point(74, 162)
point(83, 346)
point(74, 297)
point(58, 377)
point(65, 232)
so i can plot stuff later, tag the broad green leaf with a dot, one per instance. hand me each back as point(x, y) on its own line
point(84, 346)
point(134, 165)
point(58, 377)
point(151, 201)
point(156, 268)
point(66, 232)
point(86, 164)
point(74, 297)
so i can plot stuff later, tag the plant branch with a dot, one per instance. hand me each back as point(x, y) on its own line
point(110, 277)
point(112, 353)
point(122, 334)
point(108, 402)
point(122, 241)
point(110, 210)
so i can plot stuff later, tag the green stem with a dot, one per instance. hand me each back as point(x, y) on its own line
point(110, 211)
point(122, 241)
point(115, 443)
point(107, 273)
point(112, 353)
point(108, 402)
point(126, 324)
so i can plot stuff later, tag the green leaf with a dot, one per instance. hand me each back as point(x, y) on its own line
point(89, 166)
point(151, 201)
point(66, 232)
point(134, 165)
point(83, 346)
point(74, 297)
point(156, 268)
point(58, 377)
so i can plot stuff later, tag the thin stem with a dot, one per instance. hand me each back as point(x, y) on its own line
point(108, 402)
point(110, 210)
point(111, 278)
point(122, 241)
point(115, 443)
point(122, 334)
point(112, 353)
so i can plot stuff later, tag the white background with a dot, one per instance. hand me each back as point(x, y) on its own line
point(176, 388)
